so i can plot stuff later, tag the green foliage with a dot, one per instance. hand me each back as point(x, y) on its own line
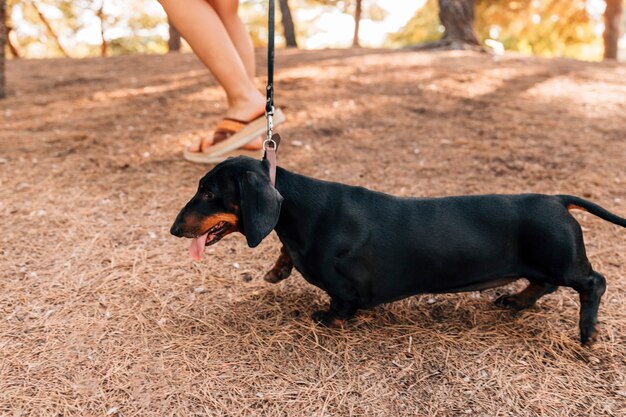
point(374, 12)
point(541, 27)
point(137, 44)
point(423, 27)
point(129, 26)
point(254, 14)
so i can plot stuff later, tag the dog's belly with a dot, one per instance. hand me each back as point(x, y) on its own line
point(404, 272)
point(477, 286)
point(408, 288)
point(460, 269)
point(480, 286)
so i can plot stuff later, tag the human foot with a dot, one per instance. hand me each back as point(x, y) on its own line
point(237, 116)
point(238, 135)
point(226, 128)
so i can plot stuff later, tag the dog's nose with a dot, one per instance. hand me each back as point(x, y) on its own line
point(176, 230)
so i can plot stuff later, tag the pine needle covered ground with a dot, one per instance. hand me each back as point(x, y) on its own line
point(102, 312)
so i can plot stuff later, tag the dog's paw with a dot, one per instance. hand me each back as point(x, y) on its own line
point(327, 319)
point(588, 337)
point(510, 302)
point(320, 317)
point(277, 274)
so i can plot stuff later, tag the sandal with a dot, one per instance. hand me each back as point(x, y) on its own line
point(229, 136)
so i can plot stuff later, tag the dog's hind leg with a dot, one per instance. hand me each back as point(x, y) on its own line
point(527, 297)
point(282, 268)
point(590, 291)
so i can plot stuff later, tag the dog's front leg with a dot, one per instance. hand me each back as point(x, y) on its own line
point(340, 310)
point(282, 268)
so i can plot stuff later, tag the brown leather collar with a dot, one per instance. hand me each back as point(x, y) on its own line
point(270, 155)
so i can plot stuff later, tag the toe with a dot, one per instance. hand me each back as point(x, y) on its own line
point(201, 145)
point(507, 301)
point(272, 277)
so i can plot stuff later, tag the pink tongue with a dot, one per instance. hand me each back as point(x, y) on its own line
point(197, 246)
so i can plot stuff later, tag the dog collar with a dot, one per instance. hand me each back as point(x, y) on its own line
point(271, 147)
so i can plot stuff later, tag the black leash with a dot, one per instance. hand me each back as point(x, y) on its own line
point(270, 145)
point(269, 101)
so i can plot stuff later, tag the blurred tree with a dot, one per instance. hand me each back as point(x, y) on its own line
point(424, 27)
point(358, 9)
point(88, 27)
point(612, 17)
point(136, 28)
point(44, 22)
point(102, 18)
point(10, 42)
point(357, 22)
point(375, 12)
point(441, 24)
point(173, 42)
point(48, 26)
point(289, 30)
point(541, 27)
point(457, 18)
point(3, 34)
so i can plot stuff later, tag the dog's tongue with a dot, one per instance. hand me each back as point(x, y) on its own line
point(197, 246)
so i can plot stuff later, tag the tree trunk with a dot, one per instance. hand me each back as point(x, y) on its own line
point(612, 17)
point(457, 17)
point(103, 44)
point(289, 29)
point(3, 34)
point(49, 27)
point(357, 23)
point(173, 43)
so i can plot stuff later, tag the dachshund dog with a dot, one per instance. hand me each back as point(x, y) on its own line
point(365, 248)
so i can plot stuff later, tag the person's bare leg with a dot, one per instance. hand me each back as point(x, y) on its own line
point(202, 28)
point(227, 11)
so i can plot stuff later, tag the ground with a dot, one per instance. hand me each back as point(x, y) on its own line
point(102, 311)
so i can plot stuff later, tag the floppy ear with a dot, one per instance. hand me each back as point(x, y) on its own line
point(260, 207)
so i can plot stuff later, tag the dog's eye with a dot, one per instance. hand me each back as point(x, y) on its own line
point(208, 195)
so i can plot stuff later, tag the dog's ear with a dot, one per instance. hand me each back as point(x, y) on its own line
point(260, 207)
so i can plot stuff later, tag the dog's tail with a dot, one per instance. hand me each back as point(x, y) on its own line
point(573, 202)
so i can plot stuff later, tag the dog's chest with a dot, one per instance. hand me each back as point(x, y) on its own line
point(300, 262)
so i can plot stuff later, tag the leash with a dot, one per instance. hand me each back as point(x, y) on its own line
point(270, 144)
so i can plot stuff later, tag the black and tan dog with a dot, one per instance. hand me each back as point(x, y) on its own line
point(366, 248)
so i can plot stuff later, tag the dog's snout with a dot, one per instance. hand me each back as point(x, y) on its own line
point(176, 229)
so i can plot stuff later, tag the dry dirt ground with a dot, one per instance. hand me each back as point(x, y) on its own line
point(102, 312)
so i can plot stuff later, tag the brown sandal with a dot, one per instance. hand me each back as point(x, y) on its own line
point(229, 136)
